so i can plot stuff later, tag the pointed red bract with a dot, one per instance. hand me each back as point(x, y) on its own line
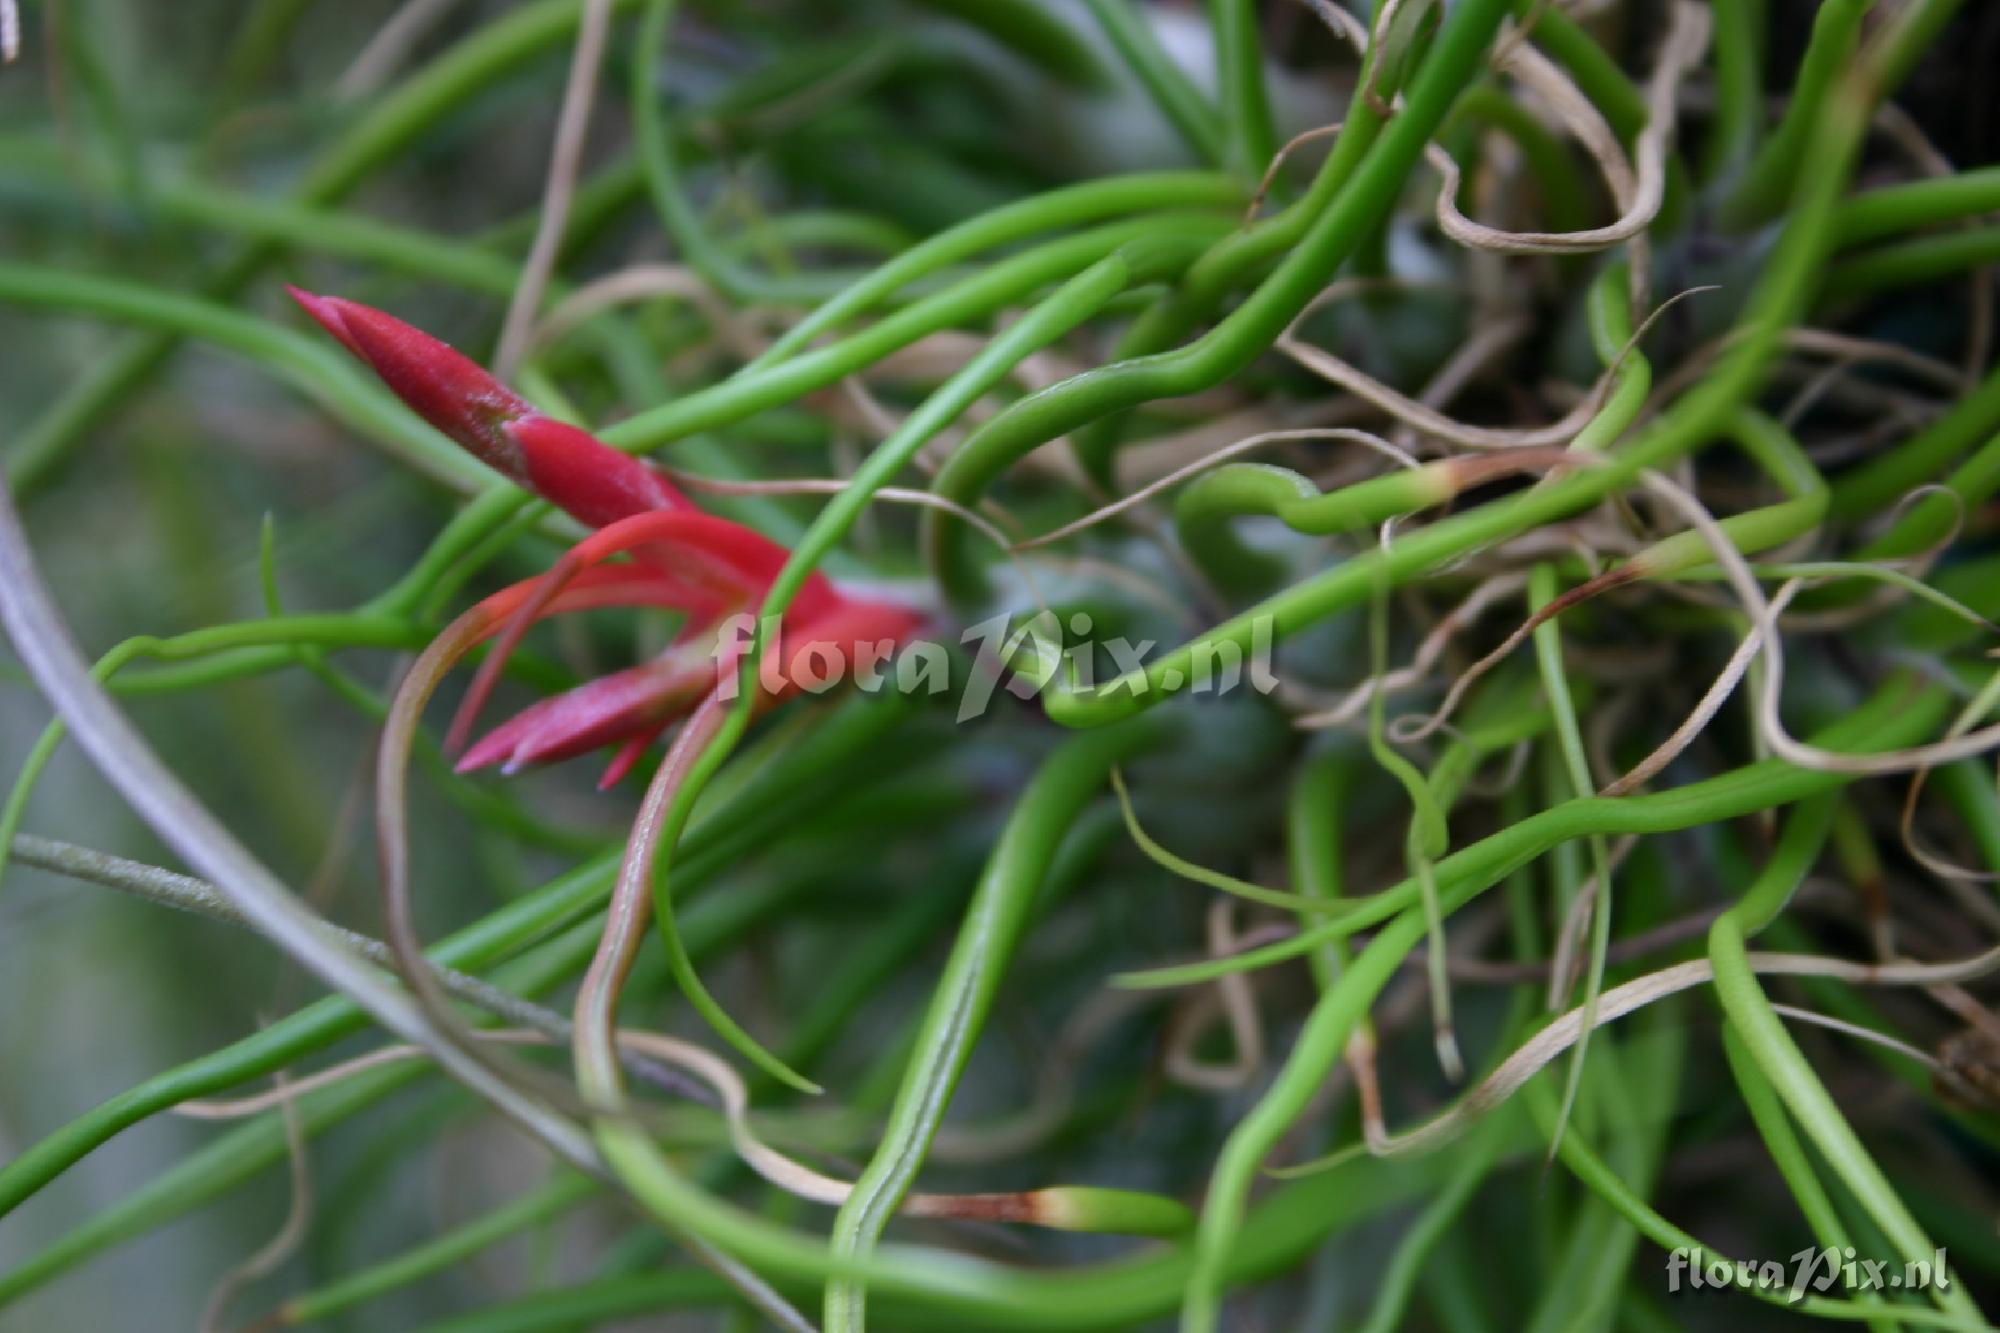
point(720, 564)
point(441, 384)
point(635, 705)
point(571, 468)
point(709, 566)
point(586, 476)
point(593, 589)
point(639, 700)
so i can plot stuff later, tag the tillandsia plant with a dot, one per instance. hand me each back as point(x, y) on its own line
point(1351, 644)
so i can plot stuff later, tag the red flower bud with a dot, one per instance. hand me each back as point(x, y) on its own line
point(440, 384)
point(568, 467)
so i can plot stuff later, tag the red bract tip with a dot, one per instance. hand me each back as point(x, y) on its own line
point(581, 473)
point(326, 310)
point(440, 384)
point(570, 468)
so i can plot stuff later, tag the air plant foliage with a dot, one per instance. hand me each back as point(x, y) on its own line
point(1299, 665)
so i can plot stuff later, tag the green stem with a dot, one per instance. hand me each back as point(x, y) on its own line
point(1246, 331)
point(1768, 181)
point(1891, 210)
point(1767, 1112)
point(1184, 106)
point(1739, 87)
point(1781, 1061)
point(1913, 263)
point(987, 939)
point(742, 818)
point(1883, 722)
point(1775, 304)
point(1248, 135)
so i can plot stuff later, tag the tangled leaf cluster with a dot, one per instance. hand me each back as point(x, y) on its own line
point(1221, 630)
